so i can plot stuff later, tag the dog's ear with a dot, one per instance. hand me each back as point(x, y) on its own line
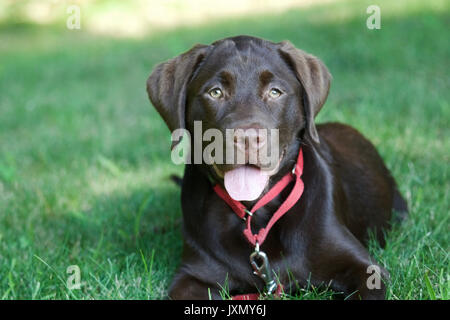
point(166, 86)
point(315, 79)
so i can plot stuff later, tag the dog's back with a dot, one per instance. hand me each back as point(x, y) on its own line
point(365, 180)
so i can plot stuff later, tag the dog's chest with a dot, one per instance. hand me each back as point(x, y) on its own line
point(284, 246)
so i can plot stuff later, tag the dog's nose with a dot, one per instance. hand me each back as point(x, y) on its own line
point(250, 139)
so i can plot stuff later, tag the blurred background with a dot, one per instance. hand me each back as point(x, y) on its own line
point(85, 159)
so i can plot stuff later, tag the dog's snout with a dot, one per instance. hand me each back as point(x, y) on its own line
point(247, 139)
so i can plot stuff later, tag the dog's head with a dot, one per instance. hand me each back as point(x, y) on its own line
point(247, 86)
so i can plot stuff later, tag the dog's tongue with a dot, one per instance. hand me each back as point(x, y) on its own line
point(245, 183)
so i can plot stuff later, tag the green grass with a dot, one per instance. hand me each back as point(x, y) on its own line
point(84, 159)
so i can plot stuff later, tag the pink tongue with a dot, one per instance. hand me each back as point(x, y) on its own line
point(245, 183)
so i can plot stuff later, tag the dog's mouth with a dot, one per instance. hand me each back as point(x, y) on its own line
point(246, 182)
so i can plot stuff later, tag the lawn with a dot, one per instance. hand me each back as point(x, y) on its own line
point(85, 159)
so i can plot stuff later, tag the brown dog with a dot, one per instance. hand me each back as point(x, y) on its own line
point(246, 82)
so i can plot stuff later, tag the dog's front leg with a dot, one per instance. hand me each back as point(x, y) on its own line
point(341, 260)
point(187, 287)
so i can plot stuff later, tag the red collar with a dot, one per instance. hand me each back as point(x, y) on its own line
point(242, 212)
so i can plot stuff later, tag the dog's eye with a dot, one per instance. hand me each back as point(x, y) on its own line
point(274, 93)
point(215, 93)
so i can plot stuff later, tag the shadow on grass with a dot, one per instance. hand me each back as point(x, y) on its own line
point(125, 245)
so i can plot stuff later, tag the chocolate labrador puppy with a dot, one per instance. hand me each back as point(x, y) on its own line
point(249, 83)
